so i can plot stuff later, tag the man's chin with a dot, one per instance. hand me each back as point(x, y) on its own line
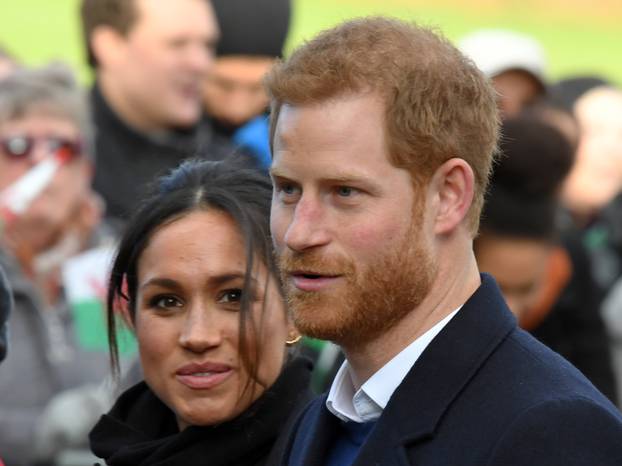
point(186, 117)
point(322, 330)
point(318, 319)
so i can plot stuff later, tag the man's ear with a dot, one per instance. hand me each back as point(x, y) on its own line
point(454, 184)
point(108, 45)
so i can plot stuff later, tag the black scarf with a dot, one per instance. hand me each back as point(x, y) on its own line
point(140, 430)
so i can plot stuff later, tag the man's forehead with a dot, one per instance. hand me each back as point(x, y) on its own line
point(169, 16)
point(332, 122)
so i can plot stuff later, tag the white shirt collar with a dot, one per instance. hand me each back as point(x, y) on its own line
point(368, 402)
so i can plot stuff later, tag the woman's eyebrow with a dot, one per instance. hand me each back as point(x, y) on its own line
point(215, 280)
point(162, 282)
point(227, 277)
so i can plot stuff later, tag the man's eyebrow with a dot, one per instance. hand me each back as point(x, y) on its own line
point(275, 172)
point(333, 177)
point(348, 178)
point(363, 181)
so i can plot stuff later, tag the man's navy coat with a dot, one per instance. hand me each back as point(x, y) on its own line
point(484, 392)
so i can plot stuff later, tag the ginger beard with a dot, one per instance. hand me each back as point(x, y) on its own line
point(368, 301)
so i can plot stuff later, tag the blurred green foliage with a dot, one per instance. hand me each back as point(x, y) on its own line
point(579, 36)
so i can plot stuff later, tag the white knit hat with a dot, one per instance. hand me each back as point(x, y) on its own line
point(496, 50)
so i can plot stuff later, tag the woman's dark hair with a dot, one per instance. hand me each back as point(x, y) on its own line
point(522, 200)
point(566, 92)
point(229, 186)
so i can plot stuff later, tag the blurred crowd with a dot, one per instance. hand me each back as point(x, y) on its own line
point(180, 79)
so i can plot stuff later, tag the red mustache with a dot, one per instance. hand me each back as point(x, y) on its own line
point(312, 262)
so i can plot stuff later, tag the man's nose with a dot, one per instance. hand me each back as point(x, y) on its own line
point(199, 59)
point(41, 150)
point(239, 106)
point(308, 227)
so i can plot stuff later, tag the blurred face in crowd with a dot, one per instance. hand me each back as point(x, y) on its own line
point(157, 70)
point(516, 89)
point(24, 143)
point(348, 226)
point(233, 90)
point(596, 176)
point(187, 319)
point(7, 65)
point(519, 266)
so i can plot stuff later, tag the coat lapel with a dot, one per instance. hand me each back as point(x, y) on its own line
point(437, 378)
point(314, 434)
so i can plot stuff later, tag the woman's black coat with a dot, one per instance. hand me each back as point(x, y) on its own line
point(140, 430)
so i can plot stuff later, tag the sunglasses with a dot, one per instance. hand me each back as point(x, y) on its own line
point(21, 146)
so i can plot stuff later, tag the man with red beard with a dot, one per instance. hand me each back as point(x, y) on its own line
point(383, 137)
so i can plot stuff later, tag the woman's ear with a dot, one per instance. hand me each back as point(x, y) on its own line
point(453, 186)
point(122, 307)
point(293, 335)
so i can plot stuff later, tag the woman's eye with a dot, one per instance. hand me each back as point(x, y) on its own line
point(231, 296)
point(165, 302)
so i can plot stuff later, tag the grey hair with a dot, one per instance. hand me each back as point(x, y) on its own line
point(50, 91)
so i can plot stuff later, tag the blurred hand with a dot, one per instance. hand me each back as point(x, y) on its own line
point(69, 417)
point(42, 240)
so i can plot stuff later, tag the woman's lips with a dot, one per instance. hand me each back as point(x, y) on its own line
point(203, 376)
point(204, 381)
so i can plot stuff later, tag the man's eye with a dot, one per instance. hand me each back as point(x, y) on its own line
point(287, 192)
point(288, 189)
point(345, 191)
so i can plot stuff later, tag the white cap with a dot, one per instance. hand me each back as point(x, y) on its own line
point(496, 50)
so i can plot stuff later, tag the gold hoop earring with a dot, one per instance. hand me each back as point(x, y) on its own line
point(294, 340)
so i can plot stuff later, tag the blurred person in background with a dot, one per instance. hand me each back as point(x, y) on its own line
point(252, 38)
point(48, 214)
point(150, 58)
point(196, 277)
point(545, 278)
point(6, 305)
point(516, 63)
point(596, 177)
point(592, 193)
point(7, 63)
point(612, 315)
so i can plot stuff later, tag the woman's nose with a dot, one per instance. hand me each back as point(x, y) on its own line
point(200, 332)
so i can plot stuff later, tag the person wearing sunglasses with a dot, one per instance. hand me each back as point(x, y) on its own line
point(48, 212)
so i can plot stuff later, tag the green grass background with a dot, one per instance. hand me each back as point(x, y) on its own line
point(579, 36)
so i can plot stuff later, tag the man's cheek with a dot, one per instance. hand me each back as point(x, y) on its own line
point(375, 235)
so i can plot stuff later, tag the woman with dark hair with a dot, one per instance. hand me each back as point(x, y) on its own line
point(195, 278)
point(544, 275)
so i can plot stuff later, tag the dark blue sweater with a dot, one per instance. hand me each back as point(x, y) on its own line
point(350, 438)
